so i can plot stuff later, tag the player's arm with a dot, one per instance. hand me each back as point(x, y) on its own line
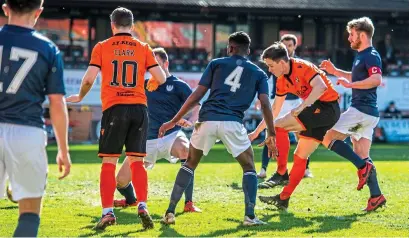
point(372, 81)
point(158, 74)
point(59, 120)
point(318, 88)
point(329, 67)
point(275, 108)
point(86, 84)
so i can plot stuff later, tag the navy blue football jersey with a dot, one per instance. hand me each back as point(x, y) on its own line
point(233, 82)
point(164, 103)
point(366, 63)
point(30, 68)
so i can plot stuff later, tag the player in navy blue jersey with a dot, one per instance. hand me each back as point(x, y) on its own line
point(163, 104)
point(359, 121)
point(233, 82)
point(31, 68)
point(280, 176)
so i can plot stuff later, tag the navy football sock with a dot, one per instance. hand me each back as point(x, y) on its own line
point(189, 189)
point(264, 158)
point(27, 226)
point(344, 150)
point(373, 182)
point(128, 192)
point(183, 180)
point(250, 192)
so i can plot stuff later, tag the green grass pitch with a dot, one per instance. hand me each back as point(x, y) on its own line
point(326, 205)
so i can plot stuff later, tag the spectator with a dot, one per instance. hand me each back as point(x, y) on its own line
point(387, 51)
point(392, 112)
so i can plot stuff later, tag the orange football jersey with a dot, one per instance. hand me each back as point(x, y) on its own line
point(123, 61)
point(297, 81)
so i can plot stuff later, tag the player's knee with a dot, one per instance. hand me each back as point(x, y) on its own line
point(184, 153)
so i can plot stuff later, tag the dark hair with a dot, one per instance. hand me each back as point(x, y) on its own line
point(161, 53)
point(288, 37)
point(240, 40)
point(276, 52)
point(24, 6)
point(122, 17)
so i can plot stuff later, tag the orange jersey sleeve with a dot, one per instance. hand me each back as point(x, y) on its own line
point(281, 89)
point(299, 79)
point(96, 56)
point(123, 60)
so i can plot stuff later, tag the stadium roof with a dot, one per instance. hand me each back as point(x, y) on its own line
point(337, 5)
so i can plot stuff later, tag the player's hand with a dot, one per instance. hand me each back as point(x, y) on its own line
point(328, 66)
point(64, 163)
point(270, 142)
point(253, 135)
point(344, 82)
point(184, 123)
point(296, 111)
point(152, 85)
point(74, 98)
point(165, 127)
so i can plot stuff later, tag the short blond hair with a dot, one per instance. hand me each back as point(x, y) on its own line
point(363, 24)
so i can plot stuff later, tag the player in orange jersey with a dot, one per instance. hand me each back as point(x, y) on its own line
point(123, 61)
point(318, 112)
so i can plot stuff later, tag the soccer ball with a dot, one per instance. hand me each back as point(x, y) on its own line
point(9, 194)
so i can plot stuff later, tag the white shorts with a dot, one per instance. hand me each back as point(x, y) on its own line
point(24, 159)
point(161, 148)
point(232, 134)
point(288, 105)
point(356, 124)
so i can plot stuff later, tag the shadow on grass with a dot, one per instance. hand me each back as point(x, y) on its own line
point(123, 218)
point(219, 154)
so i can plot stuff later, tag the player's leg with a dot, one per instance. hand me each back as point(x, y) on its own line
point(22, 145)
point(305, 147)
point(377, 199)
point(202, 140)
point(114, 127)
point(348, 124)
point(265, 160)
point(308, 173)
point(135, 144)
point(124, 186)
point(180, 149)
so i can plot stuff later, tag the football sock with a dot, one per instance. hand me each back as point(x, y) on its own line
point(250, 192)
point(373, 182)
point(183, 180)
point(344, 150)
point(128, 193)
point(189, 189)
point(264, 158)
point(296, 175)
point(107, 185)
point(27, 226)
point(140, 180)
point(283, 146)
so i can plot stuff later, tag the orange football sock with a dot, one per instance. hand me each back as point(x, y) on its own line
point(140, 180)
point(283, 146)
point(296, 174)
point(107, 185)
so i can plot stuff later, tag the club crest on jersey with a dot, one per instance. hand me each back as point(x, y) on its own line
point(169, 88)
point(297, 79)
point(357, 62)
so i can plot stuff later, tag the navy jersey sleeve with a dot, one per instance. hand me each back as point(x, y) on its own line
point(55, 79)
point(263, 84)
point(185, 91)
point(373, 63)
point(207, 76)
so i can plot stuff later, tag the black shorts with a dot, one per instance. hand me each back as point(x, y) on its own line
point(124, 125)
point(318, 119)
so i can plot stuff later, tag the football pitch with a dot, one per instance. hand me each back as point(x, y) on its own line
point(326, 205)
